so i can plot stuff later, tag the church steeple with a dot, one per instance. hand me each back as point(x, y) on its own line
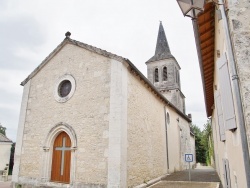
point(162, 50)
point(163, 72)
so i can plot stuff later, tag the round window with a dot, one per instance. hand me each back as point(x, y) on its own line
point(64, 88)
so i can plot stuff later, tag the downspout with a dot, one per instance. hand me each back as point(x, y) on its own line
point(237, 96)
point(166, 127)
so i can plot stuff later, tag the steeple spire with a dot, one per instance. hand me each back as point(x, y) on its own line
point(162, 43)
point(162, 50)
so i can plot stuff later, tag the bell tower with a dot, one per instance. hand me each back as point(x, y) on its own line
point(163, 72)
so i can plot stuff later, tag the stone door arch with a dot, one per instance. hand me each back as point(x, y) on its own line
point(58, 132)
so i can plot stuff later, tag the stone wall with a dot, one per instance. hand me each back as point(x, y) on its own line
point(171, 87)
point(146, 133)
point(174, 142)
point(176, 98)
point(147, 148)
point(185, 142)
point(171, 65)
point(239, 23)
point(87, 112)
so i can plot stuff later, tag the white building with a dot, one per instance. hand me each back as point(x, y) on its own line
point(223, 43)
point(5, 150)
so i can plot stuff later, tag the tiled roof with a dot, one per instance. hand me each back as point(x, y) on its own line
point(3, 138)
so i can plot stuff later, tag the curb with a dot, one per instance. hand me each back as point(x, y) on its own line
point(151, 182)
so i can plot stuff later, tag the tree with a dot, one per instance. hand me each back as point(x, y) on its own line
point(11, 163)
point(207, 142)
point(2, 129)
point(199, 148)
point(203, 143)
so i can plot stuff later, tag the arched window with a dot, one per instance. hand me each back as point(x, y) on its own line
point(168, 118)
point(165, 73)
point(156, 75)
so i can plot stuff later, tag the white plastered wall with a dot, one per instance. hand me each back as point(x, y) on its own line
point(117, 160)
point(5, 154)
point(230, 149)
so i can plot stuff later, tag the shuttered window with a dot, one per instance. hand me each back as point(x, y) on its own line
point(220, 119)
point(226, 94)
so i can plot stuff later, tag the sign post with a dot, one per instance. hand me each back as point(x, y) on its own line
point(189, 159)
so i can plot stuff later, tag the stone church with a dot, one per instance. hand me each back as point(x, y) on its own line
point(90, 118)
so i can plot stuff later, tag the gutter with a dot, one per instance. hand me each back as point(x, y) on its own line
point(237, 96)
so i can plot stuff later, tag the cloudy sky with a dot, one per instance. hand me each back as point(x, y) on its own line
point(31, 29)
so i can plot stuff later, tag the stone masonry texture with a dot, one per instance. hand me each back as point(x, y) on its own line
point(239, 23)
point(87, 112)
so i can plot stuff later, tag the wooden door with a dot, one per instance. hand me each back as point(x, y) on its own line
point(60, 171)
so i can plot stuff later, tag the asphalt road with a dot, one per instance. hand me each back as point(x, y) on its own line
point(200, 174)
point(5, 184)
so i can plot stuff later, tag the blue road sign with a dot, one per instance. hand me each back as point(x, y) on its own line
point(189, 157)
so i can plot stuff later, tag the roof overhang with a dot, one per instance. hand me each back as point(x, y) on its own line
point(204, 29)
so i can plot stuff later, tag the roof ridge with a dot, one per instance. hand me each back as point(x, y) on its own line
point(96, 49)
point(77, 43)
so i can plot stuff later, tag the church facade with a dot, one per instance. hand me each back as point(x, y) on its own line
point(90, 118)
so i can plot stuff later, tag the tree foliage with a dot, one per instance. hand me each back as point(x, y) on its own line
point(11, 163)
point(203, 143)
point(2, 129)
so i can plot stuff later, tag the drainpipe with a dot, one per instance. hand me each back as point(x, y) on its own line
point(237, 96)
point(166, 127)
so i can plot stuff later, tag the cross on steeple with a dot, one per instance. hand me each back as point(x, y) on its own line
point(63, 149)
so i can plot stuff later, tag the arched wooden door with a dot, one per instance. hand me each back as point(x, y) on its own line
point(60, 171)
